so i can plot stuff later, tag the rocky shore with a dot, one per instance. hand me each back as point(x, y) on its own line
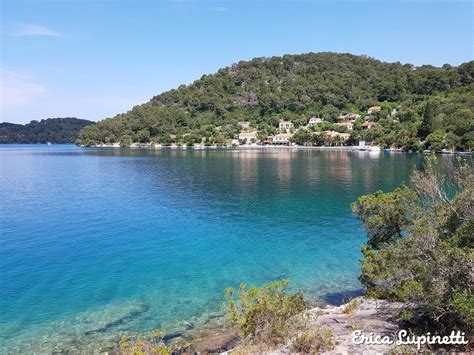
point(213, 335)
point(367, 315)
point(370, 317)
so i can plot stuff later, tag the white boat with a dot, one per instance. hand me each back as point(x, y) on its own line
point(374, 149)
point(49, 143)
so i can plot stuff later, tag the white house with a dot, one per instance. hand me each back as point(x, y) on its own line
point(285, 125)
point(282, 138)
point(247, 137)
point(244, 124)
point(313, 121)
point(349, 117)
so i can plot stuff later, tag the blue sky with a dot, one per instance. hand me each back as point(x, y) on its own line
point(94, 59)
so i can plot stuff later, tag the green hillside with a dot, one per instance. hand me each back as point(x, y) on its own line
point(430, 103)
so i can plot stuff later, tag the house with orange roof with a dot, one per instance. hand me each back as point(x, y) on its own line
point(349, 125)
point(374, 109)
point(368, 124)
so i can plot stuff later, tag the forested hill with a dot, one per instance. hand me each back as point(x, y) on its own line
point(296, 87)
point(54, 130)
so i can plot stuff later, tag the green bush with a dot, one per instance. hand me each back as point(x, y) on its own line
point(420, 246)
point(313, 341)
point(151, 343)
point(265, 314)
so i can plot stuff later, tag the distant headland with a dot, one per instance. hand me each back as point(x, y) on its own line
point(51, 130)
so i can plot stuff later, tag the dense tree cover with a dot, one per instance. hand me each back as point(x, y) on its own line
point(296, 87)
point(420, 247)
point(441, 121)
point(54, 130)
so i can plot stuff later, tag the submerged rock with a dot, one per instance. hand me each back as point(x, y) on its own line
point(120, 321)
point(215, 344)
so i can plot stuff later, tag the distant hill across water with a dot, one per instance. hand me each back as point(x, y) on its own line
point(54, 130)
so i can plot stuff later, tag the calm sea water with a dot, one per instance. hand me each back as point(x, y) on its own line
point(99, 242)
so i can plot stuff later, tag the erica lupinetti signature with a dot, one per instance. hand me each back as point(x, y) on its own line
point(403, 338)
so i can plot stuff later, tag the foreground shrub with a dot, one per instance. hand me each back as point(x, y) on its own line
point(148, 344)
point(420, 247)
point(265, 314)
point(313, 341)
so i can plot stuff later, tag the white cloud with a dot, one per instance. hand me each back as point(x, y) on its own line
point(219, 9)
point(17, 90)
point(36, 30)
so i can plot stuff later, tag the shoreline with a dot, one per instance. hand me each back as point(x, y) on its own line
point(351, 148)
point(374, 317)
point(205, 330)
point(354, 326)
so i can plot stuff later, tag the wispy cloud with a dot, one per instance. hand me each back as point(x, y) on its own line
point(17, 90)
point(219, 9)
point(36, 30)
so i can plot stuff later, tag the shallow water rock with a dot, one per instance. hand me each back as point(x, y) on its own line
point(215, 344)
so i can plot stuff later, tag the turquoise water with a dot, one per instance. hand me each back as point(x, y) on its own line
point(100, 242)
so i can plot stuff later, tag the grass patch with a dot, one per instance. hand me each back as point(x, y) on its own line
point(350, 308)
point(313, 341)
point(353, 327)
point(151, 343)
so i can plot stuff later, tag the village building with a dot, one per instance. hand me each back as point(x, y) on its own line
point(334, 134)
point(268, 140)
point(374, 109)
point(248, 137)
point(349, 125)
point(349, 117)
point(244, 124)
point(368, 124)
point(285, 125)
point(313, 121)
point(282, 138)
